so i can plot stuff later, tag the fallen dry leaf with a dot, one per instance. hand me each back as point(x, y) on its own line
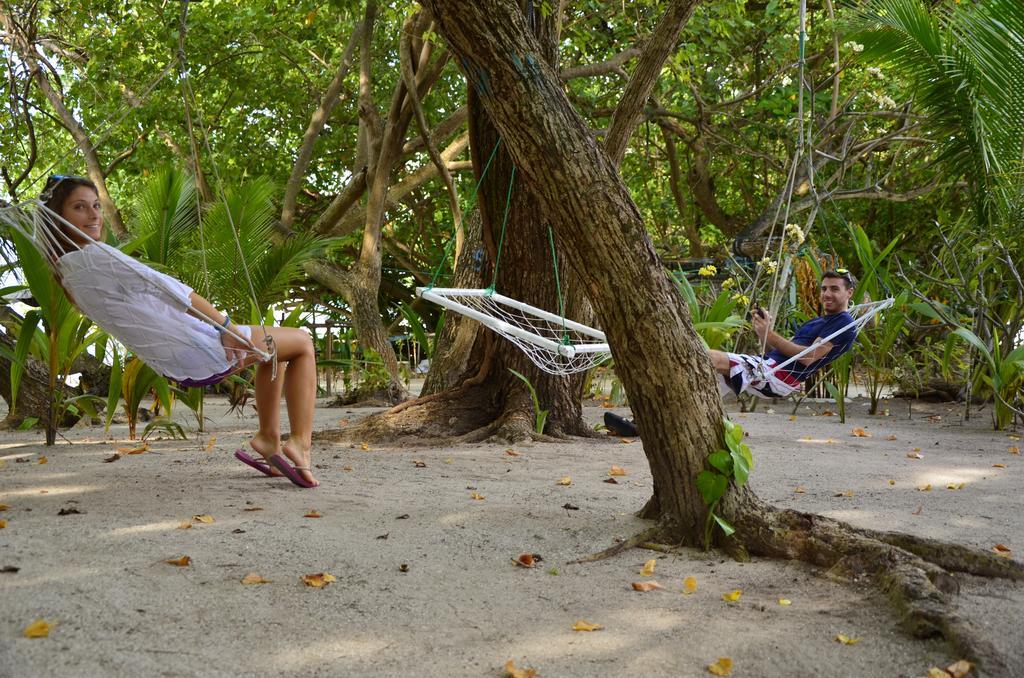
point(512, 672)
point(915, 455)
point(318, 580)
point(253, 508)
point(346, 468)
point(611, 481)
point(184, 561)
point(828, 413)
point(890, 437)
point(847, 493)
point(448, 460)
point(4, 507)
point(582, 625)
point(512, 453)
point(799, 490)
point(364, 446)
point(924, 488)
point(253, 578)
point(935, 417)
point(627, 441)
point(955, 486)
point(998, 465)
point(43, 459)
point(917, 511)
point(785, 602)
point(567, 480)
point(185, 525)
point(1002, 550)
point(960, 669)
point(3, 523)
point(616, 471)
point(313, 513)
point(134, 450)
point(418, 463)
point(203, 519)
point(846, 640)
point(860, 433)
point(646, 585)
point(936, 672)
point(477, 496)
point(648, 569)
point(689, 585)
point(37, 629)
point(722, 667)
point(209, 445)
point(792, 417)
point(525, 560)
point(732, 596)
point(891, 482)
point(1013, 449)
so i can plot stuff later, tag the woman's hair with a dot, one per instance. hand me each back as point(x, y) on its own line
point(55, 194)
point(59, 187)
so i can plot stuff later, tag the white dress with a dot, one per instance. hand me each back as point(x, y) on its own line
point(145, 310)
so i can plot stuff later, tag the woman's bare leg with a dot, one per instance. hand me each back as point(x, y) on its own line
point(296, 379)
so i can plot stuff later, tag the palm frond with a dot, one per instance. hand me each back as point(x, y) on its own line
point(165, 215)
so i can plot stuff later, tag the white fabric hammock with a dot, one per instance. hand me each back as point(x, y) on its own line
point(862, 313)
point(37, 224)
point(554, 344)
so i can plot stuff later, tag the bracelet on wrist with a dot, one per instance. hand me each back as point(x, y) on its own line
point(224, 325)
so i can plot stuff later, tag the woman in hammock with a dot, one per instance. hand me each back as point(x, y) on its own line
point(159, 318)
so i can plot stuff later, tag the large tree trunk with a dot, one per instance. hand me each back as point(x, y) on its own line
point(34, 394)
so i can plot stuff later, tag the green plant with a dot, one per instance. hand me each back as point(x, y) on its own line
point(879, 342)
point(54, 332)
point(838, 382)
point(137, 381)
point(714, 322)
point(1004, 375)
point(540, 416)
point(731, 464)
point(165, 425)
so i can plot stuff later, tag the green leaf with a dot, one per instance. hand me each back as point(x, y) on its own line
point(711, 486)
point(726, 527)
point(27, 423)
point(721, 460)
point(741, 471)
point(21, 349)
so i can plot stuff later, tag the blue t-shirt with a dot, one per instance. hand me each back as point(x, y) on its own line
point(811, 330)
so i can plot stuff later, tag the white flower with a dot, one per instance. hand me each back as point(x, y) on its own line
point(877, 72)
point(768, 264)
point(886, 101)
point(787, 81)
point(795, 233)
point(854, 47)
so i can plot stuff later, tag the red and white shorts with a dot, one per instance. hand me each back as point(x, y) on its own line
point(753, 373)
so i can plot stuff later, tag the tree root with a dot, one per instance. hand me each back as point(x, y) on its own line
point(651, 533)
point(915, 573)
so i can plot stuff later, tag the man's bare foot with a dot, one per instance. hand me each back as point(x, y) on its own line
point(267, 448)
point(301, 459)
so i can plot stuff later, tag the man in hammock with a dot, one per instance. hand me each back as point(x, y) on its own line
point(758, 374)
point(177, 332)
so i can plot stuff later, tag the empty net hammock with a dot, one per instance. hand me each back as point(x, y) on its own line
point(555, 344)
point(149, 312)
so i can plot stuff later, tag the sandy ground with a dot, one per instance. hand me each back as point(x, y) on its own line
point(463, 608)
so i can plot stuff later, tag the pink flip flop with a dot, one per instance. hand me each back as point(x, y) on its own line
point(244, 457)
point(290, 472)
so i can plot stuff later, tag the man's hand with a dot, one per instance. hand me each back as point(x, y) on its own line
point(762, 322)
point(235, 349)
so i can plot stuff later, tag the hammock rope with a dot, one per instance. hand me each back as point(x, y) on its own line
point(553, 343)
